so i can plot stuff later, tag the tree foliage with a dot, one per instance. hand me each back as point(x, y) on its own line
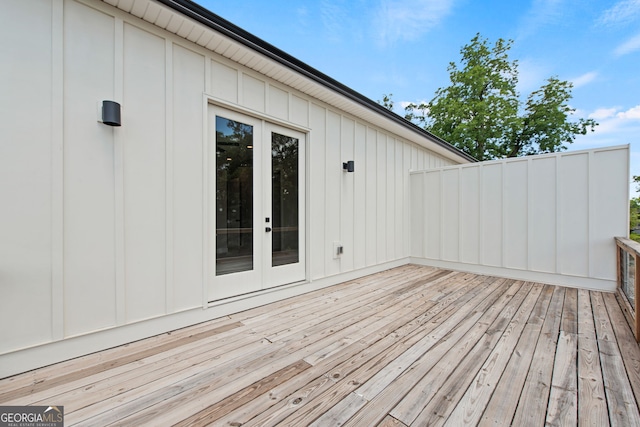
point(634, 212)
point(634, 218)
point(481, 112)
point(387, 101)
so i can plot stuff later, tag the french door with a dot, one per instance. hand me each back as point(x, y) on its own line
point(256, 204)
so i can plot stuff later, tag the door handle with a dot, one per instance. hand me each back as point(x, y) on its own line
point(267, 229)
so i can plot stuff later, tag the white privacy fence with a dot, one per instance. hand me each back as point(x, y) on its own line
point(549, 218)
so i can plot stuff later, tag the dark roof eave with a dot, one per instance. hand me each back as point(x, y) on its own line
point(221, 25)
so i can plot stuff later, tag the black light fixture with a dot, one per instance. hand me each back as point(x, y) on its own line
point(348, 166)
point(111, 113)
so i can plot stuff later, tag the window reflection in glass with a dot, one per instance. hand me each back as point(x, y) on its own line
point(234, 196)
point(284, 203)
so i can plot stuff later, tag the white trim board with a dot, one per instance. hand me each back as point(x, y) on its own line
point(46, 354)
point(577, 282)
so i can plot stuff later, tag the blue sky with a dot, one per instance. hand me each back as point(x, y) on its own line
point(403, 47)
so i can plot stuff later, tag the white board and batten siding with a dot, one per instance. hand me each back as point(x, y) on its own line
point(549, 218)
point(103, 231)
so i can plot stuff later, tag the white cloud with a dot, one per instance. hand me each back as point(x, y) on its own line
point(613, 121)
point(603, 113)
point(622, 12)
point(615, 127)
point(400, 20)
point(584, 79)
point(610, 125)
point(629, 46)
point(631, 114)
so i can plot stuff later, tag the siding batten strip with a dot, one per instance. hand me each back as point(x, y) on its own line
point(530, 207)
point(307, 200)
point(205, 190)
point(481, 209)
point(327, 186)
point(57, 171)
point(207, 76)
point(425, 215)
point(504, 237)
point(381, 196)
point(590, 213)
point(240, 88)
point(558, 234)
point(400, 211)
point(406, 187)
point(169, 294)
point(328, 243)
point(266, 95)
point(442, 216)
point(118, 90)
point(390, 179)
point(461, 230)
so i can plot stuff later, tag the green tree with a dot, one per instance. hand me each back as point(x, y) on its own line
point(634, 217)
point(481, 112)
point(387, 102)
point(634, 212)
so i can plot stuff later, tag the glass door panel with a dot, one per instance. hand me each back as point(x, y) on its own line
point(256, 204)
point(285, 241)
point(285, 194)
point(234, 196)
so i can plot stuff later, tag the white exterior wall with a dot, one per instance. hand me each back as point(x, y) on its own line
point(103, 230)
point(549, 218)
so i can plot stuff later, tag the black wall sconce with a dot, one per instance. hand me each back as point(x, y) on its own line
point(348, 166)
point(111, 113)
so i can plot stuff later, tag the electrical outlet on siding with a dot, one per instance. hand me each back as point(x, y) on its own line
point(337, 250)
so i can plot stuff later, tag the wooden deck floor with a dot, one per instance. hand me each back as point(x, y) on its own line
point(411, 346)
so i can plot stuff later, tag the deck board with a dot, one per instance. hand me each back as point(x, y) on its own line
point(410, 346)
point(592, 402)
point(470, 408)
point(534, 399)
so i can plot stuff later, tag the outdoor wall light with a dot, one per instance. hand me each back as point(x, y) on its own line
point(111, 113)
point(348, 166)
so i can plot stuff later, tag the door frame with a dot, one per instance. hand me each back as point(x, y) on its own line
point(209, 179)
